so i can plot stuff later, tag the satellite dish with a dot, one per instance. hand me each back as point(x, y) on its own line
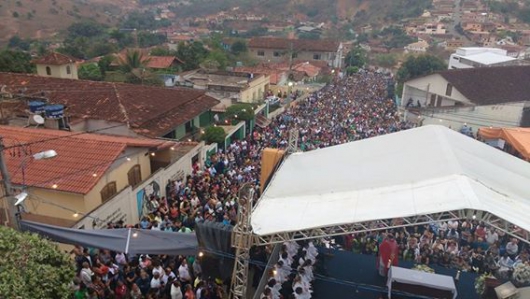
point(39, 120)
point(21, 197)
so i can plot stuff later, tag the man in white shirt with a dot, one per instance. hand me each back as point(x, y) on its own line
point(156, 281)
point(491, 236)
point(512, 248)
point(86, 274)
point(184, 272)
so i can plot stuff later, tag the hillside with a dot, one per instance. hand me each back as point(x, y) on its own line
point(44, 18)
point(317, 10)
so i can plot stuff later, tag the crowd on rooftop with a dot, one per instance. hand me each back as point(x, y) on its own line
point(348, 109)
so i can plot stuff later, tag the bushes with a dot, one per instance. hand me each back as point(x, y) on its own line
point(214, 134)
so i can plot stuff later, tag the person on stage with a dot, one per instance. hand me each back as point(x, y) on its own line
point(388, 255)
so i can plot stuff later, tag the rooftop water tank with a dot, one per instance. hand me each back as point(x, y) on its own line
point(36, 106)
point(54, 111)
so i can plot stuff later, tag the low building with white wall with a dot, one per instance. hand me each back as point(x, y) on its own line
point(497, 96)
point(473, 57)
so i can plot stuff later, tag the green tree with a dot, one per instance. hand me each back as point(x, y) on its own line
point(90, 71)
point(132, 60)
point(214, 134)
point(418, 66)
point(309, 35)
point(220, 57)
point(192, 54)
point(240, 112)
point(15, 14)
point(161, 51)
point(386, 60)
point(32, 267)
point(15, 62)
point(352, 70)
point(86, 29)
point(16, 42)
point(356, 57)
point(104, 64)
point(239, 47)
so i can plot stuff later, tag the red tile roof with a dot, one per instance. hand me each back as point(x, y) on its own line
point(150, 111)
point(55, 58)
point(79, 157)
point(161, 62)
point(297, 44)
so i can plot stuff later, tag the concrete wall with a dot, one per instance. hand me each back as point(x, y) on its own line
point(281, 55)
point(506, 115)
point(63, 205)
point(422, 88)
point(127, 205)
point(255, 90)
point(58, 71)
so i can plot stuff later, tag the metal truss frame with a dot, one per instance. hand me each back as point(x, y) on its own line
point(386, 224)
point(292, 146)
point(242, 241)
point(239, 282)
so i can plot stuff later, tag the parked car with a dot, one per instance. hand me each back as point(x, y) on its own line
point(273, 100)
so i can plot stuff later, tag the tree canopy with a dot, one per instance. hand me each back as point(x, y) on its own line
point(15, 62)
point(32, 267)
point(214, 134)
point(90, 71)
point(416, 66)
point(356, 57)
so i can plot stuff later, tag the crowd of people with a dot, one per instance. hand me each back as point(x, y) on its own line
point(348, 109)
point(468, 245)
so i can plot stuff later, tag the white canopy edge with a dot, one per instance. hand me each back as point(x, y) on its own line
point(440, 170)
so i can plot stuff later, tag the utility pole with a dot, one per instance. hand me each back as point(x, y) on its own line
point(8, 189)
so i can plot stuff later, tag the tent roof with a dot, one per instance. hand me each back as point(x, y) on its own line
point(120, 240)
point(420, 171)
point(518, 138)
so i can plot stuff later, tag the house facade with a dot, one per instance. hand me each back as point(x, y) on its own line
point(232, 86)
point(281, 49)
point(483, 97)
point(56, 65)
point(88, 170)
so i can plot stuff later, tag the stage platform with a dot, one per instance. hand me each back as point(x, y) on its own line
point(347, 267)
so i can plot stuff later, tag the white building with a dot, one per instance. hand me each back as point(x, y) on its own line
point(473, 57)
point(478, 97)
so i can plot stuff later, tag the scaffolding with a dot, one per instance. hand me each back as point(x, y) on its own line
point(244, 239)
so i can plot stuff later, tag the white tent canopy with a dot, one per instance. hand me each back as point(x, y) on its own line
point(426, 170)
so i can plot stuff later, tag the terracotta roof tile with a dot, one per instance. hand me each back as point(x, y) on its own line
point(297, 44)
point(161, 62)
point(79, 157)
point(55, 58)
point(141, 107)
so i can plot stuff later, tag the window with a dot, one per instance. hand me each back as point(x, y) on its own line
point(261, 53)
point(68, 70)
point(448, 89)
point(276, 54)
point(48, 71)
point(134, 175)
point(108, 191)
point(316, 56)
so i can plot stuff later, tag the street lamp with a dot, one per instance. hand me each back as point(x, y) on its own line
point(14, 201)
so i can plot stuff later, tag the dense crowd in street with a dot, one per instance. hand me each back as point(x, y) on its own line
point(348, 109)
